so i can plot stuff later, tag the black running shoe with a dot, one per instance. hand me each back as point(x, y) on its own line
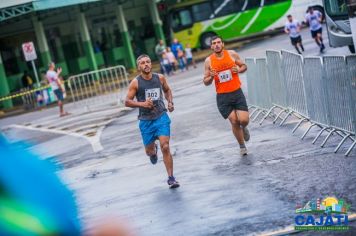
point(172, 182)
point(154, 157)
point(322, 48)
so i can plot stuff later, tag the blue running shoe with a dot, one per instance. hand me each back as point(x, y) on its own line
point(154, 157)
point(172, 182)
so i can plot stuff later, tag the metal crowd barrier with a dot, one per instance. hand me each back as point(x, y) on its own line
point(251, 85)
point(263, 87)
point(293, 73)
point(99, 87)
point(338, 98)
point(351, 66)
point(319, 90)
point(315, 88)
point(277, 83)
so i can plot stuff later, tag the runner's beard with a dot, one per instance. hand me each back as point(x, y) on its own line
point(146, 70)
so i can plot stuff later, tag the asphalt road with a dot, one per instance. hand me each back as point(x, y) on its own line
point(221, 193)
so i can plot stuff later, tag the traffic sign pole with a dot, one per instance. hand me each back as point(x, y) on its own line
point(36, 75)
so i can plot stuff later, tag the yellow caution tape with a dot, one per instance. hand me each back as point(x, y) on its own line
point(23, 93)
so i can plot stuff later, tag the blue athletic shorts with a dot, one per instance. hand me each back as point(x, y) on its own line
point(152, 129)
point(59, 94)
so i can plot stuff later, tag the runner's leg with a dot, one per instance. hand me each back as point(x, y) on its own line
point(166, 152)
point(236, 127)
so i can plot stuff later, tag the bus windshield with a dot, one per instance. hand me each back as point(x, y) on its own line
point(335, 8)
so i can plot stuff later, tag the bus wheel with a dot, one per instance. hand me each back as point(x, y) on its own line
point(352, 48)
point(205, 40)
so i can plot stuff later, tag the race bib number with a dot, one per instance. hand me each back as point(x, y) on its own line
point(225, 76)
point(315, 23)
point(154, 94)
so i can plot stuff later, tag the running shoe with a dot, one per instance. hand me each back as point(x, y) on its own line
point(172, 182)
point(154, 157)
point(246, 134)
point(322, 48)
point(243, 151)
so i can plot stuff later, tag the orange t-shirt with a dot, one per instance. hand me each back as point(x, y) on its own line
point(225, 80)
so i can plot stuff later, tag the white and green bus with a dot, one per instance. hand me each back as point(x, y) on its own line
point(196, 21)
point(338, 24)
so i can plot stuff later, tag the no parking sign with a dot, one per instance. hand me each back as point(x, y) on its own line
point(29, 51)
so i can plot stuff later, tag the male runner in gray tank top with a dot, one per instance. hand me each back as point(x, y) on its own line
point(148, 88)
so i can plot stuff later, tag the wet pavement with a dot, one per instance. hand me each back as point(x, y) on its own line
point(221, 193)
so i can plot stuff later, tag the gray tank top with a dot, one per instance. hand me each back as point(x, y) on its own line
point(150, 89)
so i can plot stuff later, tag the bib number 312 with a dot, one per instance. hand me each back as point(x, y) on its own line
point(153, 94)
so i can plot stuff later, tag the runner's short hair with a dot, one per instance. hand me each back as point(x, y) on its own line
point(140, 57)
point(289, 16)
point(216, 37)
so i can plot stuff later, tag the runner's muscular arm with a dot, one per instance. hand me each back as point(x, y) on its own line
point(241, 66)
point(167, 92)
point(208, 73)
point(129, 102)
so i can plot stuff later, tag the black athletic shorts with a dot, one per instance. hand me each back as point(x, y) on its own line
point(315, 32)
point(227, 102)
point(296, 40)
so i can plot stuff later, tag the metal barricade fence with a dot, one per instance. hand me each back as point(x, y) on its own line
point(99, 87)
point(314, 81)
point(338, 87)
point(263, 88)
point(322, 91)
point(351, 66)
point(293, 73)
point(276, 79)
point(251, 75)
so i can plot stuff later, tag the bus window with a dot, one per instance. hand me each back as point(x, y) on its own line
point(241, 5)
point(270, 2)
point(336, 7)
point(223, 7)
point(253, 4)
point(181, 19)
point(202, 11)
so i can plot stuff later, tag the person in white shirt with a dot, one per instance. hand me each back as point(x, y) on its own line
point(53, 78)
point(314, 19)
point(171, 58)
point(189, 56)
point(292, 28)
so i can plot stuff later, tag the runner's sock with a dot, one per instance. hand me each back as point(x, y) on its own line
point(242, 145)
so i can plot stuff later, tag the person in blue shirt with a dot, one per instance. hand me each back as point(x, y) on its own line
point(175, 46)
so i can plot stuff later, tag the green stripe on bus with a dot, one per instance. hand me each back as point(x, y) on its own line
point(268, 16)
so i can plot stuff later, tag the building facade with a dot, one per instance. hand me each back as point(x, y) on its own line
point(78, 35)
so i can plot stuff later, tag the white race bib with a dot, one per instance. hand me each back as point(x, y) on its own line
point(154, 94)
point(225, 76)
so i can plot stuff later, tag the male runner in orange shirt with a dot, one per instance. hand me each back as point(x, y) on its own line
point(223, 67)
